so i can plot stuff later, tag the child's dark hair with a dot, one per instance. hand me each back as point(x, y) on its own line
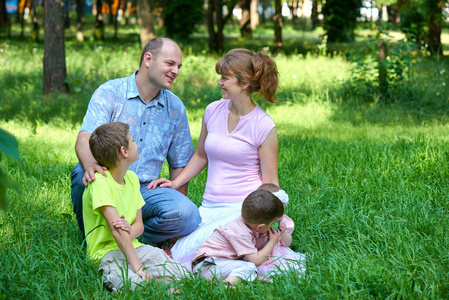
point(271, 187)
point(106, 141)
point(261, 206)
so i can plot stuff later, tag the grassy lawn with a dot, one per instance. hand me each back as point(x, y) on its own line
point(367, 176)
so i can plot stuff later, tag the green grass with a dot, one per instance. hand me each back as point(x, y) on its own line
point(367, 180)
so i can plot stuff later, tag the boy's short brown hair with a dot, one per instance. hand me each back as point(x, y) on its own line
point(261, 206)
point(106, 141)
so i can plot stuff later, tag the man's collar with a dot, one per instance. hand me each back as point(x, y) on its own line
point(131, 88)
point(133, 92)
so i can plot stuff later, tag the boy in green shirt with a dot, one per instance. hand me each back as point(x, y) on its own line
point(113, 218)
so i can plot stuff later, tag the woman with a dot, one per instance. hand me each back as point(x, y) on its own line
point(238, 142)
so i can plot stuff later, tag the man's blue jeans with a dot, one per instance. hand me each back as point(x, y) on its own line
point(167, 212)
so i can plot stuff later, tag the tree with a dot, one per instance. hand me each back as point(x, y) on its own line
point(145, 17)
point(379, 4)
point(314, 15)
point(250, 17)
point(5, 26)
point(245, 22)
point(99, 23)
point(293, 7)
point(340, 19)
point(21, 4)
point(254, 14)
point(55, 71)
point(264, 4)
point(277, 47)
point(424, 19)
point(35, 34)
point(181, 16)
point(214, 16)
point(435, 20)
point(80, 19)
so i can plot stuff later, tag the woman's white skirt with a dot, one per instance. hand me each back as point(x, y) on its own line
point(213, 214)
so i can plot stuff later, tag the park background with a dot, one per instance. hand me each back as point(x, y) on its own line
point(363, 141)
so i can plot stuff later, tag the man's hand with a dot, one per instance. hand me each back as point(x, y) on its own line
point(89, 174)
point(163, 183)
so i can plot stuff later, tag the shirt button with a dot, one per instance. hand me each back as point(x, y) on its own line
point(144, 123)
point(140, 139)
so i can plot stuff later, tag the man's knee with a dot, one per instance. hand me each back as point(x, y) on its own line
point(171, 208)
point(186, 216)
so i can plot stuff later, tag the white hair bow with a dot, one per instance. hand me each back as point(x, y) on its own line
point(282, 195)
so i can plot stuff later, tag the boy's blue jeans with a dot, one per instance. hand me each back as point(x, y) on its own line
point(167, 212)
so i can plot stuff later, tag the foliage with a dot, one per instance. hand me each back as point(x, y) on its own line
point(340, 19)
point(10, 147)
point(398, 66)
point(181, 16)
point(367, 180)
point(416, 16)
point(415, 21)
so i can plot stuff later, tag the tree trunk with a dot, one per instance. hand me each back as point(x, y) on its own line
point(127, 11)
point(5, 26)
point(214, 15)
point(314, 15)
point(145, 17)
point(277, 47)
point(220, 25)
point(67, 15)
point(213, 37)
point(114, 14)
point(21, 16)
point(383, 82)
point(293, 6)
point(394, 16)
point(55, 72)
point(35, 34)
point(80, 20)
point(264, 9)
point(99, 23)
point(436, 10)
point(245, 22)
point(111, 14)
point(254, 14)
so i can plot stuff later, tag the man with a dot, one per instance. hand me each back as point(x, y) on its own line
point(158, 123)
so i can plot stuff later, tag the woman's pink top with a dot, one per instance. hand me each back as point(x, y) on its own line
point(233, 157)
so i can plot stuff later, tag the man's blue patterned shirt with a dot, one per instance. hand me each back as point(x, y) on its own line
point(161, 128)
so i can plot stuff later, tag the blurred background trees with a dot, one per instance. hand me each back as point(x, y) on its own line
point(186, 20)
point(180, 19)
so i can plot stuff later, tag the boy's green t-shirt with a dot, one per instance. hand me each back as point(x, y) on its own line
point(105, 191)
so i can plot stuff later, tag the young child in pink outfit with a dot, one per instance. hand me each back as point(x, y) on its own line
point(232, 252)
point(281, 257)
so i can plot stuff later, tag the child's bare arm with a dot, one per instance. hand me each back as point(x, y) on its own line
point(134, 230)
point(261, 256)
point(286, 238)
point(137, 226)
point(123, 240)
